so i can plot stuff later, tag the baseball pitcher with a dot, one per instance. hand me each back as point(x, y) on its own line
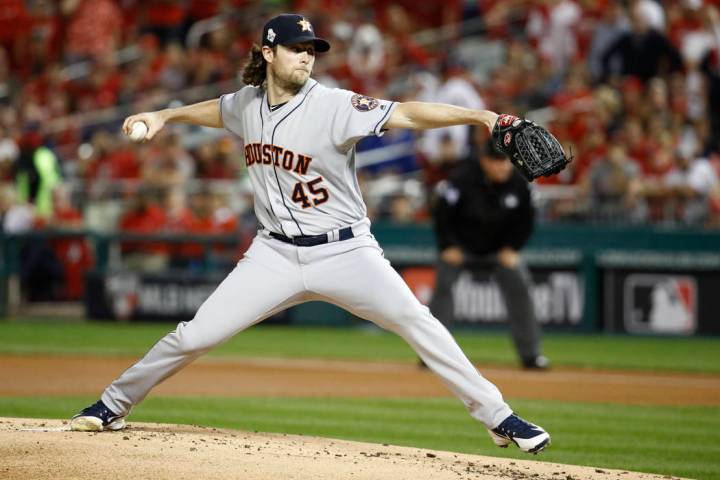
point(314, 242)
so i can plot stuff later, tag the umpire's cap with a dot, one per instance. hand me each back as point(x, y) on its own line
point(289, 29)
point(491, 152)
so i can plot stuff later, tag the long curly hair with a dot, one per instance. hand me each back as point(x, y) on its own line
point(255, 68)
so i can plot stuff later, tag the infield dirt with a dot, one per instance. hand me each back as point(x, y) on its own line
point(213, 376)
point(45, 449)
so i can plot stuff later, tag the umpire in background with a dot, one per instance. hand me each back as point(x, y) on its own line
point(483, 216)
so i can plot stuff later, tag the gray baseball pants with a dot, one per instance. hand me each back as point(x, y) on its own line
point(273, 276)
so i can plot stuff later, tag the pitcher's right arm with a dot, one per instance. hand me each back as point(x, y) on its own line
point(206, 114)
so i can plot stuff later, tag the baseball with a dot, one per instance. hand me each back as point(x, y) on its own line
point(138, 132)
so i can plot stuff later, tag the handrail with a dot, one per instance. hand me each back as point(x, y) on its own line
point(123, 236)
point(10, 244)
point(201, 27)
point(110, 114)
point(82, 68)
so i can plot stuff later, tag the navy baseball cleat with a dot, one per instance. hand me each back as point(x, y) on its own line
point(96, 418)
point(528, 437)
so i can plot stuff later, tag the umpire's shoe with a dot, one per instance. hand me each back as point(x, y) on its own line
point(528, 437)
point(96, 418)
point(538, 363)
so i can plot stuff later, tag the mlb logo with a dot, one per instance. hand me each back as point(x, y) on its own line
point(660, 304)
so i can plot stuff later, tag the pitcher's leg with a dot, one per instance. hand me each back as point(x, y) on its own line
point(364, 283)
point(251, 292)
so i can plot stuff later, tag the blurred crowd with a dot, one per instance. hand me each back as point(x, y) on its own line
point(630, 87)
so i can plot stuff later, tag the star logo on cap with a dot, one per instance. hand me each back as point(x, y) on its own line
point(305, 25)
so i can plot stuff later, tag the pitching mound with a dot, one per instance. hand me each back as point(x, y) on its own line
point(45, 449)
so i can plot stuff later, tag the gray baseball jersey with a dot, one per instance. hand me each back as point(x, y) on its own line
point(301, 157)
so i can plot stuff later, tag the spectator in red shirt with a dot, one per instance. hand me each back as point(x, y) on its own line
point(217, 218)
point(164, 18)
point(182, 220)
point(193, 253)
point(216, 161)
point(399, 26)
point(653, 185)
point(122, 163)
point(143, 215)
point(14, 28)
point(105, 81)
point(94, 28)
point(110, 159)
point(37, 37)
point(72, 252)
point(637, 142)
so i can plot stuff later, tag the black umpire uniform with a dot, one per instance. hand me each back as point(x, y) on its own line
point(483, 216)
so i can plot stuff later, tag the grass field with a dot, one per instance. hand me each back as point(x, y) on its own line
point(683, 441)
point(492, 348)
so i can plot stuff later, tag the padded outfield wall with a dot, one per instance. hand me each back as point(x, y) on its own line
point(637, 280)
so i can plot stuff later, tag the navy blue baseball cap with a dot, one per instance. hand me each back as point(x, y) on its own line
point(491, 151)
point(289, 29)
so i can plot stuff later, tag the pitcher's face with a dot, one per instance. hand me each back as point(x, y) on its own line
point(291, 65)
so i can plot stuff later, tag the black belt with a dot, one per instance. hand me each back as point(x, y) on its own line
point(312, 240)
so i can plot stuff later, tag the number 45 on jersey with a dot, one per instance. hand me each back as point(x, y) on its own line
point(318, 195)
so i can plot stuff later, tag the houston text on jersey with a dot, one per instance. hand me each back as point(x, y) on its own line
point(267, 154)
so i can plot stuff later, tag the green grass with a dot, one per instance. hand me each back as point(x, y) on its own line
point(663, 440)
point(592, 351)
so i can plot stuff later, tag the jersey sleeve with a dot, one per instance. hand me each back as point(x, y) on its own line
point(232, 106)
point(357, 116)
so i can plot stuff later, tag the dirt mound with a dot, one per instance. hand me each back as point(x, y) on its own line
point(45, 449)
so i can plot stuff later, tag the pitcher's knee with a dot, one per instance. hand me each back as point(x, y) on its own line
point(408, 315)
point(189, 342)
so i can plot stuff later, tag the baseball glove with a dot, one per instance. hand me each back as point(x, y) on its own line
point(531, 148)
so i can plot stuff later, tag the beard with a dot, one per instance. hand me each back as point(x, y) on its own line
point(291, 81)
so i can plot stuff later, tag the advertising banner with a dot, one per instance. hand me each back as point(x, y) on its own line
point(557, 294)
point(647, 302)
point(167, 296)
point(138, 296)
